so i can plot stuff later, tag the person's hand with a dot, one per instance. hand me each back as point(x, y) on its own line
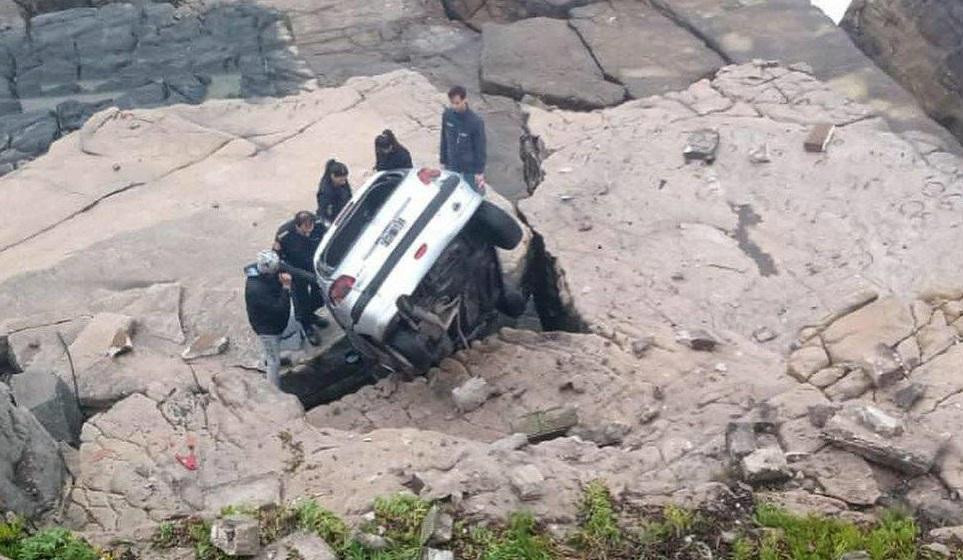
point(480, 179)
point(285, 279)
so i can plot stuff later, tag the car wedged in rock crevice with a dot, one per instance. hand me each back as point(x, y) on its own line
point(410, 267)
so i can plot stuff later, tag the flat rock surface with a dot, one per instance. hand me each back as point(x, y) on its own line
point(157, 182)
point(650, 395)
point(545, 58)
point(642, 49)
point(736, 245)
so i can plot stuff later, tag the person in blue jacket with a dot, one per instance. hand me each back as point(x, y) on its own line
point(463, 148)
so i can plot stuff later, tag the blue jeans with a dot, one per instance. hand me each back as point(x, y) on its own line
point(469, 178)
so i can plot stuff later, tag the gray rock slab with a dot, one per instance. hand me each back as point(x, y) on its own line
point(32, 471)
point(642, 49)
point(52, 402)
point(919, 48)
point(544, 58)
point(914, 451)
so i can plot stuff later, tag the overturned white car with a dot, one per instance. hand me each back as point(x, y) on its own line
point(410, 270)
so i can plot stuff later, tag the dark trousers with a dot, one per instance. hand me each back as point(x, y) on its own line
point(307, 298)
point(469, 178)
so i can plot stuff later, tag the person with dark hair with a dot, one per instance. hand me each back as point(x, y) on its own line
point(334, 192)
point(390, 154)
point(463, 147)
point(296, 242)
point(267, 294)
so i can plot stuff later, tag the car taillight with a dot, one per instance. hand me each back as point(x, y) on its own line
point(427, 175)
point(340, 289)
point(421, 251)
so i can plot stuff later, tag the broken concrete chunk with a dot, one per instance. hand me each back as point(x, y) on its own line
point(435, 554)
point(740, 439)
point(698, 339)
point(913, 451)
point(437, 527)
point(948, 535)
point(641, 345)
point(106, 335)
point(509, 443)
point(527, 481)
point(205, 345)
point(236, 536)
point(472, 394)
point(884, 367)
point(372, 542)
point(806, 361)
point(760, 154)
point(821, 413)
point(878, 421)
point(937, 550)
point(608, 434)
point(120, 344)
point(546, 424)
point(763, 334)
point(701, 145)
point(819, 137)
point(299, 545)
point(856, 555)
point(853, 385)
point(827, 376)
point(952, 310)
point(909, 353)
point(765, 465)
point(906, 397)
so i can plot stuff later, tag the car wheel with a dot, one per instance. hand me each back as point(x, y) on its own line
point(411, 346)
point(512, 302)
point(500, 229)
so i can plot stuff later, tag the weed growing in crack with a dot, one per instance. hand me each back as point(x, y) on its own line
point(312, 517)
point(598, 535)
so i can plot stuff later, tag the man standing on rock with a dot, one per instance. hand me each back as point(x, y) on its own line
point(463, 147)
point(267, 293)
point(296, 242)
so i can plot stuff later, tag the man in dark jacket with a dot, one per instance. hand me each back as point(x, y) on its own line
point(296, 242)
point(463, 148)
point(267, 293)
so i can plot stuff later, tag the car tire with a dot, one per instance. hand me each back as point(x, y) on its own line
point(499, 228)
point(410, 345)
point(512, 302)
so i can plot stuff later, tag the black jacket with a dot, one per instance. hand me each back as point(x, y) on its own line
point(331, 199)
point(296, 249)
point(463, 142)
point(268, 304)
point(399, 158)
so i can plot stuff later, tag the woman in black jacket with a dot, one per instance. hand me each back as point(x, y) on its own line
point(389, 154)
point(334, 192)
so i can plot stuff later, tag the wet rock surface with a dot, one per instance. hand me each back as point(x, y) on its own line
point(922, 48)
point(76, 62)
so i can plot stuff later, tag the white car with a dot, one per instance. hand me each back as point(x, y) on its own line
point(410, 270)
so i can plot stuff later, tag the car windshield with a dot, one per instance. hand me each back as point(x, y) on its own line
point(361, 215)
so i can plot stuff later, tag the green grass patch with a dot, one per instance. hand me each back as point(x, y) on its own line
point(895, 537)
point(598, 535)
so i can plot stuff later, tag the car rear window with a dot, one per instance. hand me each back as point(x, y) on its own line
point(361, 215)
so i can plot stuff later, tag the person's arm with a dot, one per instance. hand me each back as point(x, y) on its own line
point(481, 150)
point(442, 152)
point(298, 273)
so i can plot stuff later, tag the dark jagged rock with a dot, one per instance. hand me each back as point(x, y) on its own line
point(920, 44)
